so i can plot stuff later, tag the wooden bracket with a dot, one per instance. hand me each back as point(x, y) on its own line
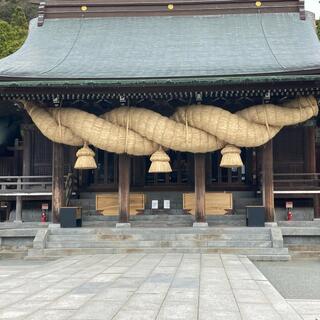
point(41, 13)
point(302, 10)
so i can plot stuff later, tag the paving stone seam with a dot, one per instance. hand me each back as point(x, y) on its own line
point(124, 257)
point(291, 302)
point(249, 262)
point(232, 291)
point(174, 275)
point(30, 280)
point(71, 289)
point(199, 288)
point(126, 301)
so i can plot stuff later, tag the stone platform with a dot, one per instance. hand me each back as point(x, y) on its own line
point(257, 243)
point(140, 286)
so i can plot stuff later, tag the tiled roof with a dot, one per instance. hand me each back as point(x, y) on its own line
point(166, 47)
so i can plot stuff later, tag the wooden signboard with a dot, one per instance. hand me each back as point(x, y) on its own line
point(108, 203)
point(217, 203)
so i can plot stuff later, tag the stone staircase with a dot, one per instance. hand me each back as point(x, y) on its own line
point(257, 243)
point(87, 202)
point(302, 238)
point(163, 221)
point(241, 199)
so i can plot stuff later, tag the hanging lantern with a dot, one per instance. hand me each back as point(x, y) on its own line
point(231, 157)
point(85, 159)
point(160, 162)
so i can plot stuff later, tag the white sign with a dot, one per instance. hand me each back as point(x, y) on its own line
point(289, 204)
point(154, 204)
point(166, 204)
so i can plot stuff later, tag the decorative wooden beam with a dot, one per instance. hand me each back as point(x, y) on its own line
point(200, 186)
point(113, 8)
point(58, 192)
point(267, 180)
point(124, 188)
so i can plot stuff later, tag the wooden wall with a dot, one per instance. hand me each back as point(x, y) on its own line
point(288, 150)
point(42, 155)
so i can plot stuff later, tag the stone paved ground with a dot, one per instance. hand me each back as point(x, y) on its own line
point(298, 281)
point(142, 286)
point(295, 279)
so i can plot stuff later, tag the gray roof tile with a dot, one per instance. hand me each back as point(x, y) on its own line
point(166, 47)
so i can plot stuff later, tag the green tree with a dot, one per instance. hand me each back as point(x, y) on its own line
point(7, 7)
point(318, 28)
point(13, 34)
point(18, 19)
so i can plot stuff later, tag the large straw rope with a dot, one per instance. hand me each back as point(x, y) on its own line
point(196, 128)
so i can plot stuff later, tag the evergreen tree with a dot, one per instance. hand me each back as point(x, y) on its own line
point(18, 18)
point(13, 34)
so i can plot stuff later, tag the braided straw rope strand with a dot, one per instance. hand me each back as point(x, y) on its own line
point(207, 128)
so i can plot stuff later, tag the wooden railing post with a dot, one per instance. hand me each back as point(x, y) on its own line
point(19, 185)
point(18, 217)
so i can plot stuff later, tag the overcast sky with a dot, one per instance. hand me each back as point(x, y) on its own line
point(314, 6)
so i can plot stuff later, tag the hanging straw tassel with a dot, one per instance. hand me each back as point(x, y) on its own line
point(231, 157)
point(85, 159)
point(160, 162)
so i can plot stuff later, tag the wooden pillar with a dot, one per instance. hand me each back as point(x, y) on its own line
point(58, 192)
point(27, 150)
point(124, 188)
point(18, 217)
point(310, 162)
point(200, 186)
point(267, 180)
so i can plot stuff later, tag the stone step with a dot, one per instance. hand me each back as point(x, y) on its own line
point(164, 217)
point(72, 231)
point(243, 194)
point(83, 203)
point(269, 257)
point(97, 224)
point(60, 252)
point(112, 224)
point(306, 224)
point(202, 231)
point(304, 247)
point(158, 243)
point(180, 236)
point(14, 254)
point(83, 237)
point(88, 195)
point(240, 244)
point(305, 254)
point(243, 202)
point(158, 236)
